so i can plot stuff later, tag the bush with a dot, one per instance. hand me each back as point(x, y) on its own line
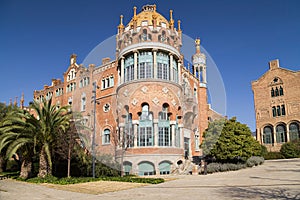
point(273, 155)
point(223, 167)
point(254, 161)
point(72, 180)
point(291, 149)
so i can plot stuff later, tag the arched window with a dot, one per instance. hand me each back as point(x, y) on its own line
point(128, 132)
point(278, 111)
point(281, 133)
point(164, 167)
point(294, 131)
point(274, 111)
point(106, 136)
point(268, 135)
point(164, 130)
point(282, 109)
point(146, 169)
point(145, 134)
point(127, 167)
point(281, 91)
point(272, 92)
point(276, 92)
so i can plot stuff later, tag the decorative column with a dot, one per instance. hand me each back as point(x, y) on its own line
point(204, 74)
point(122, 70)
point(154, 63)
point(121, 135)
point(135, 57)
point(155, 122)
point(173, 135)
point(287, 135)
point(171, 67)
point(135, 133)
point(274, 135)
point(179, 72)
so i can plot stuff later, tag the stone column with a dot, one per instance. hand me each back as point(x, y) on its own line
point(173, 135)
point(122, 70)
point(121, 135)
point(179, 72)
point(154, 63)
point(274, 134)
point(204, 74)
point(287, 134)
point(135, 132)
point(135, 57)
point(155, 123)
point(171, 68)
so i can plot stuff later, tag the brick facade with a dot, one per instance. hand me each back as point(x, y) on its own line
point(277, 106)
point(150, 110)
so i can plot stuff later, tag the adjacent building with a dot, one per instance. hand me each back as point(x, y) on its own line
point(150, 110)
point(277, 106)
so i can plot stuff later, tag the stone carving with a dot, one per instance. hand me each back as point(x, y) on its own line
point(134, 101)
point(125, 93)
point(155, 100)
point(173, 102)
point(165, 90)
point(144, 89)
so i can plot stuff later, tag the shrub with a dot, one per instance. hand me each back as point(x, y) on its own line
point(291, 149)
point(254, 161)
point(72, 180)
point(223, 167)
point(273, 155)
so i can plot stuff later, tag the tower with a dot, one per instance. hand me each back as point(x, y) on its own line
point(199, 63)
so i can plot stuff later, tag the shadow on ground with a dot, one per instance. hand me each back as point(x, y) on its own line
point(261, 193)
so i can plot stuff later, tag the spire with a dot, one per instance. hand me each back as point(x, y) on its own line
point(134, 13)
point(179, 27)
point(171, 20)
point(121, 26)
point(10, 101)
point(197, 44)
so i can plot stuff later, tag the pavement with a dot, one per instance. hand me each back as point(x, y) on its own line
point(275, 179)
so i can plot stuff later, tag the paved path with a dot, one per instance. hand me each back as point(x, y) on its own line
point(278, 179)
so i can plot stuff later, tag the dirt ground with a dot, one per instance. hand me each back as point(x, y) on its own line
point(98, 187)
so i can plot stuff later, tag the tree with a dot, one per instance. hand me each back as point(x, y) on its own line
point(291, 149)
point(71, 142)
point(235, 141)
point(50, 121)
point(19, 138)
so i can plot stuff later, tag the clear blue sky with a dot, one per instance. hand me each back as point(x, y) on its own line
point(37, 38)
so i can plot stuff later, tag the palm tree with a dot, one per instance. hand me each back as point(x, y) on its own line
point(34, 133)
point(18, 138)
point(50, 121)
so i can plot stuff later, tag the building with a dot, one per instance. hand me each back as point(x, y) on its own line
point(151, 111)
point(277, 106)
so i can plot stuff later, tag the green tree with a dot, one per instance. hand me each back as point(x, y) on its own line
point(235, 141)
point(50, 121)
point(291, 149)
point(18, 138)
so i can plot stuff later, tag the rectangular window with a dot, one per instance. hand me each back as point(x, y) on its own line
point(274, 111)
point(282, 110)
point(111, 81)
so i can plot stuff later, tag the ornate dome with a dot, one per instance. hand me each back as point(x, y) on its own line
point(147, 16)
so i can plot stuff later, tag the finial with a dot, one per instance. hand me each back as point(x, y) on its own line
point(154, 7)
point(121, 19)
point(179, 28)
point(197, 43)
point(10, 101)
point(134, 12)
point(171, 15)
